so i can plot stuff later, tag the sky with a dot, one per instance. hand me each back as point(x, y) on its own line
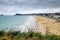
point(11, 7)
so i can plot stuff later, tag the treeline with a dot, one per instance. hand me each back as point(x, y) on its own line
point(38, 14)
point(17, 35)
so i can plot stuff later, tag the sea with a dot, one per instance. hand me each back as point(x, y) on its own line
point(18, 23)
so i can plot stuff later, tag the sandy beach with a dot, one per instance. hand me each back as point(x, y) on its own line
point(53, 26)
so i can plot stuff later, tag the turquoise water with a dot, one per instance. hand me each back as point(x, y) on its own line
point(12, 21)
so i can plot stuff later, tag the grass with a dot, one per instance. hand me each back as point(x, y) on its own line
point(17, 35)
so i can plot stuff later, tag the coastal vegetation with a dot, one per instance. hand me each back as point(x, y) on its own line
point(17, 35)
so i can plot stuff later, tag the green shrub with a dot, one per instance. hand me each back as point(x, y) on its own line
point(29, 36)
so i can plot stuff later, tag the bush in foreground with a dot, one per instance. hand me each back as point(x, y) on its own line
point(17, 35)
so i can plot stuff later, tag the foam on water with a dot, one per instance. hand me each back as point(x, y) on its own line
point(19, 23)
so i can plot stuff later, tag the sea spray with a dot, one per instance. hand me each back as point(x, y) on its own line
point(33, 25)
point(29, 23)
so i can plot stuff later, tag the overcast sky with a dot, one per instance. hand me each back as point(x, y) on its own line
point(29, 6)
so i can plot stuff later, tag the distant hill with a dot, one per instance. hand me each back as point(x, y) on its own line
point(1, 14)
point(26, 14)
point(38, 14)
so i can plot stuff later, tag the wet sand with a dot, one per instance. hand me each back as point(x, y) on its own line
point(53, 26)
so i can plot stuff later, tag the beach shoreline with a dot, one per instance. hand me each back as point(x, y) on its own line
point(53, 26)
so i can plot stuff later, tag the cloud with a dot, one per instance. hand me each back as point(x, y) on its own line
point(31, 3)
point(28, 6)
